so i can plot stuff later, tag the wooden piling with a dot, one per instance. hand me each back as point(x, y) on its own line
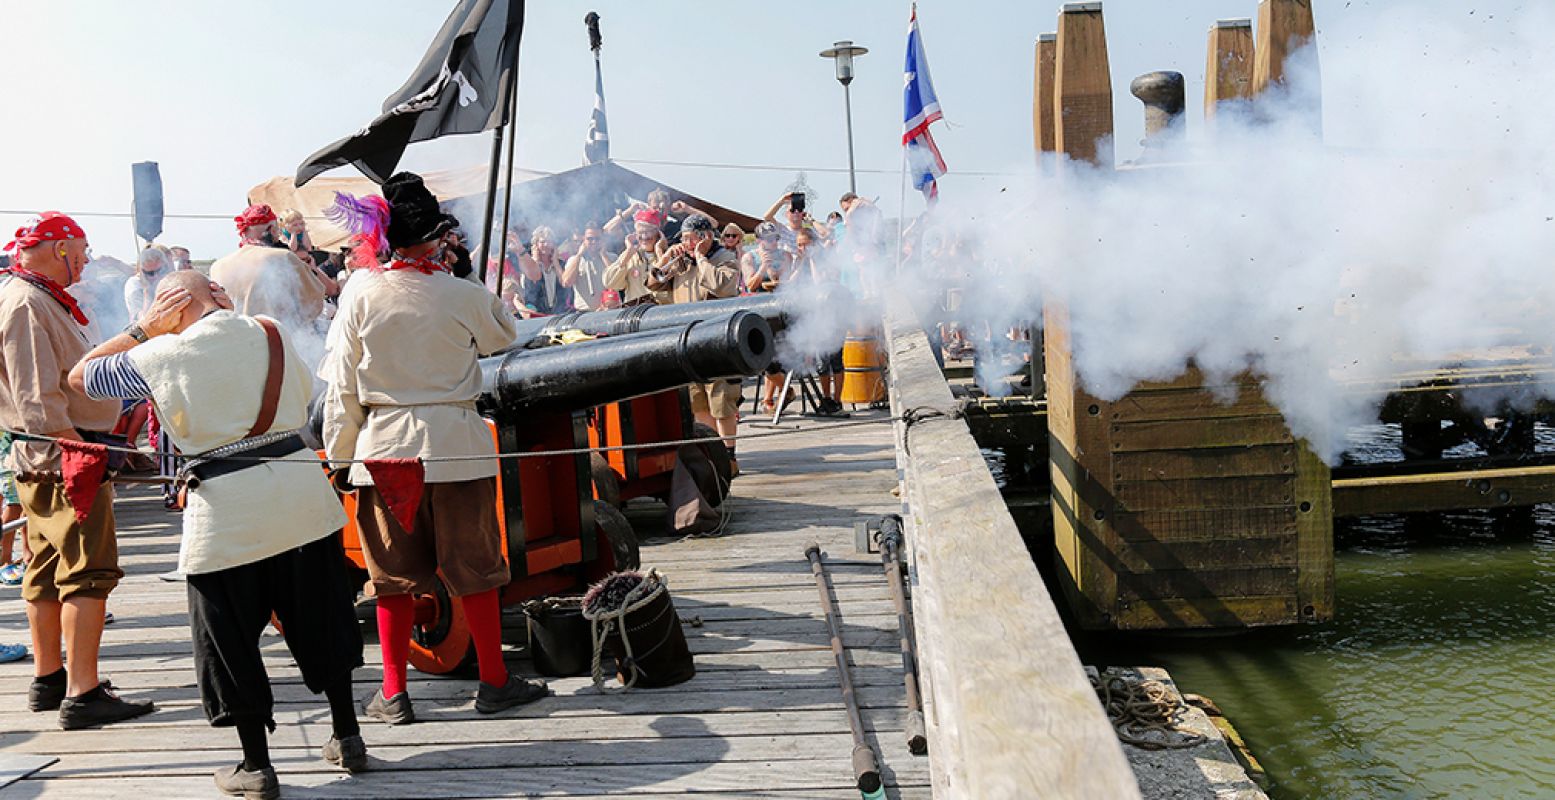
point(1044, 134)
point(1082, 89)
point(1228, 76)
point(1284, 28)
point(1171, 507)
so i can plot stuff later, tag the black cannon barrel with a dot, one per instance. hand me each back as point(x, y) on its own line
point(615, 368)
point(777, 308)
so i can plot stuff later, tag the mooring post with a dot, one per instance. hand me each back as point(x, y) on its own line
point(1163, 93)
point(1082, 88)
point(1228, 75)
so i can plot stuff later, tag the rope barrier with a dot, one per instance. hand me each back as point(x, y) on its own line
point(573, 451)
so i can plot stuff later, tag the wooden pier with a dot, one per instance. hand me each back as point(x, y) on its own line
point(762, 718)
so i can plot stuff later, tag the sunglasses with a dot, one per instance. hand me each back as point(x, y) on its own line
point(734, 236)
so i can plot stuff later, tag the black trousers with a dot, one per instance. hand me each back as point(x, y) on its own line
point(310, 591)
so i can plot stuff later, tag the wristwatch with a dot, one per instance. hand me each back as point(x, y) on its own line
point(134, 331)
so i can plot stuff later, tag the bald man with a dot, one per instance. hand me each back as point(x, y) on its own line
point(258, 532)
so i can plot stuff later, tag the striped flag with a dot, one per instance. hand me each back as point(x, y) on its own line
point(596, 147)
point(920, 109)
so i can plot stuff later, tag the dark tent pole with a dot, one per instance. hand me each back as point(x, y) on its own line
point(507, 193)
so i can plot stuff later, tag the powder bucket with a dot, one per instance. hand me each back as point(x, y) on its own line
point(559, 637)
point(659, 651)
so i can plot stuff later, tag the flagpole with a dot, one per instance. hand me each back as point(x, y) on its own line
point(507, 192)
point(496, 164)
point(901, 213)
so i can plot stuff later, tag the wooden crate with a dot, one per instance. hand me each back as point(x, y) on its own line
point(1175, 509)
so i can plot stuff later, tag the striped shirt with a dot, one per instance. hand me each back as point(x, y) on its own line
point(114, 376)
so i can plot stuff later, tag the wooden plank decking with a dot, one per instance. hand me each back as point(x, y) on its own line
point(762, 718)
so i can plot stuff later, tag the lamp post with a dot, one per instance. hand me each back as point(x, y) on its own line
point(842, 53)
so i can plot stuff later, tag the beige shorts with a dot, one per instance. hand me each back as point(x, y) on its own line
point(69, 558)
point(719, 399)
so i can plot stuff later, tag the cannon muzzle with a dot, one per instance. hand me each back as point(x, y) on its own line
point(615, 368)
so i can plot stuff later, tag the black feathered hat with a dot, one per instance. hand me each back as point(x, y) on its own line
point(414, 216)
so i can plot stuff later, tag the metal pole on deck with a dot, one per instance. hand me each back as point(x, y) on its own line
point(890, 544)
point(866, 767)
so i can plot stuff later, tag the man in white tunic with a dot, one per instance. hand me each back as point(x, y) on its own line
point(402, 378)
point(258, 533)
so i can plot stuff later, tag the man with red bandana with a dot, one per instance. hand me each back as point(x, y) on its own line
point(402, 378)
point(263, 277)
point(75, 560)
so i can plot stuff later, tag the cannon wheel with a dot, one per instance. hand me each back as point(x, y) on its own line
point(442, 644)
point(617, 531)
point(607, 486)
point(717, 453)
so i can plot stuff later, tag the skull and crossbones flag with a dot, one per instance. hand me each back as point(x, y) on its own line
point(459, 87)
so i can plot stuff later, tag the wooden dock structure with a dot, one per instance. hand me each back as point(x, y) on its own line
point(762, 718)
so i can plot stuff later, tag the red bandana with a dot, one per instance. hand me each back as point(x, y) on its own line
point(50, 226)
point(253, 215)
point(55, 291)
point(651, 216)
point(425, 266)
point(399, 482)
point(84, 466)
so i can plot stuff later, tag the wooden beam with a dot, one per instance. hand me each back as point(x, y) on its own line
point(1043, 125)
point(1444, 491)
point(1011, 713)
point(1082, 89)
point(1228, 77)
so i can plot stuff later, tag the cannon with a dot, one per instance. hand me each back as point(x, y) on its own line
point(777, 308)
point(557, 536)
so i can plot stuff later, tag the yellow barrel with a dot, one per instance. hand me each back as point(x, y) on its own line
point(862, 375)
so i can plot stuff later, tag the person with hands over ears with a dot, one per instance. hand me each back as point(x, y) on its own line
point(260, 518)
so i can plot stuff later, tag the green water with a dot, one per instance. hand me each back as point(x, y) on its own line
point(1436, 679)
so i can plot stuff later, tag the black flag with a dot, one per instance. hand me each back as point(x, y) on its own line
point(596, 145)
point(459, 87)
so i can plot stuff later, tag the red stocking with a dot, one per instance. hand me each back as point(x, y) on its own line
point(484, 612)
point(396, 614)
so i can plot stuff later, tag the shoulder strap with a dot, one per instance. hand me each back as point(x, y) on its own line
point(277, 371)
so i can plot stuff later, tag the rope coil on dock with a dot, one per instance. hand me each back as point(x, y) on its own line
point(1146, 713)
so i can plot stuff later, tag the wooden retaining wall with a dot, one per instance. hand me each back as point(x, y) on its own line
point(1010, 712)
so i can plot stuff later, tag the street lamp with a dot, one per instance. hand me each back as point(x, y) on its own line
point(843, 53)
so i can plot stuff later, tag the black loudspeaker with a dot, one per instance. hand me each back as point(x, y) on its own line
point(148, 199)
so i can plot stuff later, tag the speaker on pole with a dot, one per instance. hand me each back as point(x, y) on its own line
point(148, 199)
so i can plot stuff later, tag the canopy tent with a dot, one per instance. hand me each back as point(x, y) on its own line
point(281, 193)
point(564, 201)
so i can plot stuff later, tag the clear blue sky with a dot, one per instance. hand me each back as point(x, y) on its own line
point(224, 98)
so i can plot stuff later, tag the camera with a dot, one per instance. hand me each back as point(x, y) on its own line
point(796, 201)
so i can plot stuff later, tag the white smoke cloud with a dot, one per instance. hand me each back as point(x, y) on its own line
point(1420, 229)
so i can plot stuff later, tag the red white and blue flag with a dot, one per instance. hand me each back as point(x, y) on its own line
point(920, 108)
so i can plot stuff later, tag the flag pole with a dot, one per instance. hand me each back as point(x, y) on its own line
point(496, 164)
point(507, 192)
point(901, 208)
point(901, 212)
point(491, 200)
